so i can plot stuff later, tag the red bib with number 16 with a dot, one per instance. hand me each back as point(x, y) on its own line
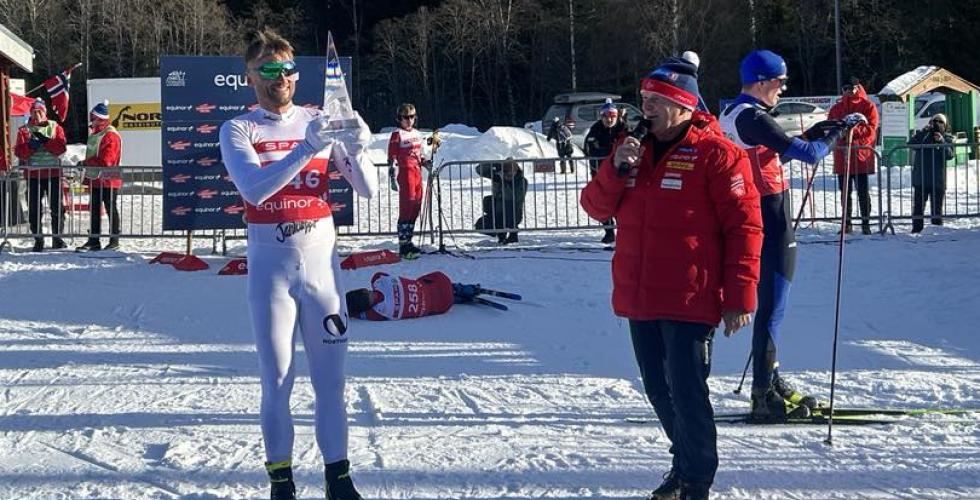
point(306, 197)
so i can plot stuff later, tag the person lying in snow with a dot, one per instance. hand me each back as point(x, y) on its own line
point(396, 297)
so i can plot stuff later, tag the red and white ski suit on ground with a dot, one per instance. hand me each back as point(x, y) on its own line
point(293, 269)
point(404, 298)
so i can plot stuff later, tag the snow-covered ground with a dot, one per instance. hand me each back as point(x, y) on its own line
point(127, 380)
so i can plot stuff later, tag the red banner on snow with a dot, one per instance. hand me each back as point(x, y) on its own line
point(235, 267)
point(181, 262)
point(365, 259)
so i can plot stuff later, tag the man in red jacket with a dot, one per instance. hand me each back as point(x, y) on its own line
point(102, 151)
point(862, 157)
point(41, 142)
point(687, 256)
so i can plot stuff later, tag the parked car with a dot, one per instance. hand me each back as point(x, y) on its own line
point(795, 117)
point(581, 109)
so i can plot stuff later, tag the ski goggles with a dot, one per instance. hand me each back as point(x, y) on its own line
point(273, 70)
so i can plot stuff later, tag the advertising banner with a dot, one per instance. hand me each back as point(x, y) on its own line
point(198, 94)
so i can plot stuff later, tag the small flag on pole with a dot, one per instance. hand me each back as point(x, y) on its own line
point(58, 87)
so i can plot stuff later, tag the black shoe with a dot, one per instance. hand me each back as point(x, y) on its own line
point(670, 489)
point(408, 251)
point(38, 245)
point(767, 407)
point(866, 229)
point(502, 238)
point(791, 395)
point(339, 484)
point(511, 238)
point(58, 243)
point(113, 245)
point(90, 246)
point(281, 481)
point(691, 491)
point(610, 237)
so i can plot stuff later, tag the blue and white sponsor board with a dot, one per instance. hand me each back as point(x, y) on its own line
point(198, 94)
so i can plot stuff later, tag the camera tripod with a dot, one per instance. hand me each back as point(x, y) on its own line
point(434, 215)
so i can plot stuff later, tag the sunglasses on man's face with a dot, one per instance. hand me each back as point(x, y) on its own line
point(273, 70)
point(408, 117)
point(847, 88)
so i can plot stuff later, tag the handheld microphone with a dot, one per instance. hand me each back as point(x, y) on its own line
point(638, 133)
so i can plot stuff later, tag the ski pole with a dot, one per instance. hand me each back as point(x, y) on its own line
point(840, 274)
point(806, 195)
point(738, 390)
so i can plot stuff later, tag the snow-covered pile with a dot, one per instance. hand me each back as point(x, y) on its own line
point(464, 143)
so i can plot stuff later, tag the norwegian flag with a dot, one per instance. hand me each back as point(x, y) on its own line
point(58, 87)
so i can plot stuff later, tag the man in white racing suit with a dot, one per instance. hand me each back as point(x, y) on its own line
point(277, 156)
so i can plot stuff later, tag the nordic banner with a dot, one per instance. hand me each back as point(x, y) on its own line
point(197, 95)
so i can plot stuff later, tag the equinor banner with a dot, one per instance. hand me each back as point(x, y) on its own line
point(197, 95)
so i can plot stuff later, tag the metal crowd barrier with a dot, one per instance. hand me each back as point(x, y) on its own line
point(478, 196)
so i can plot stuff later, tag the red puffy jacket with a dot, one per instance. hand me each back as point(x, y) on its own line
point(862, 160)
point(690, 229)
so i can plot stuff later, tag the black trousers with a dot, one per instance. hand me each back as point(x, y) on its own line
point(37, 190)
point(864, 197)
point(108, 198)
point(675, 359)
point(935, 198)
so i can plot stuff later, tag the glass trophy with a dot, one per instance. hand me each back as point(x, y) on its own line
point(336, 100)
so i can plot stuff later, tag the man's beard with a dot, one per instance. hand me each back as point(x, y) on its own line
point(279, 98)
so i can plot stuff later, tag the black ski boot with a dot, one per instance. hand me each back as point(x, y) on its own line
point(58, 243)
point(281, 479)
point(692, 491)
point(610, 237)
point(866, 228)
point(511, 238)
point(502, 238)
point(406, 249)
point(92, 245)
point(792, 396)
point(38, 245)
point(767, 407)
point(339, 484)
point(670, 489)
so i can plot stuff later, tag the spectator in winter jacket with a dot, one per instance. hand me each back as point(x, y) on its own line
point(862, 157)
point(598, 144)
point(504, 207)
point(686, 258)
point(929, 170)
point(405, 151)
point(102, 152)
point(562, 135)
point(41, 142)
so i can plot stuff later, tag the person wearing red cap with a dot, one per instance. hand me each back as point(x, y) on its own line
point(686, 258)
point(41, 143)
point(103, 150)
point(598, 144)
